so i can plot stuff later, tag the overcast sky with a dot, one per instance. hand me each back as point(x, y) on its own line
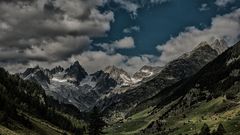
point(98, 33)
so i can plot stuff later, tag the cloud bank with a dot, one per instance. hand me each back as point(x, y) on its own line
point(223, 27)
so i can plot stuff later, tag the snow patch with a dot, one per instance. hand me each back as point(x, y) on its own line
point(125, 78)
point(88, 81)
point(145, 71)
point(150, 73)
point(134, 80)
point(59, 80)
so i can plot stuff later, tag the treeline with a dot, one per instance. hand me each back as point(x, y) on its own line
point(18, 94)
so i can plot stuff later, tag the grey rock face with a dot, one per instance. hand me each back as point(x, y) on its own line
point(73, 85)
point(219, 45)
point(75, 72)
point(57, 69)
point(37, 74)
point(119, 75)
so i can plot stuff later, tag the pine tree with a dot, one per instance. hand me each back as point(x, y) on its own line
point(96, 123)
point(220, 130)
point(205, 130)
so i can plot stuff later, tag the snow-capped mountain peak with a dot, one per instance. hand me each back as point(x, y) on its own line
point(124, 79)
point(219, 45)
point(118, 74)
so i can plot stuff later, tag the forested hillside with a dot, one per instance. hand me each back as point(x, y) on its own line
point(25, 107)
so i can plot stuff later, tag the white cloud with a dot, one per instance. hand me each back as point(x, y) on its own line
point(96, 60)
point(93, 61)
point(131, 29)
point(204, 7)
point(223, 3)
point(132, 6)
point(136, 62)
point(158, 1)
point(224, 27)
point(129, 6)
point(124, 43)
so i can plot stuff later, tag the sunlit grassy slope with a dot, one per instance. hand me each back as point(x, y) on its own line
point(212, 112)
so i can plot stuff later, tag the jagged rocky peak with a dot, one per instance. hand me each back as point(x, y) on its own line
point(30, 71)
point(75, 72)
point(103, 80)
point(34, 70)
point(203, 48)
point(98, 74)
point(219, 45)
point(113, 70)
point(203, 43)
point(57, 69)
point(118, 74)
point(101, 75)
point(190, 62)
point(37, 74)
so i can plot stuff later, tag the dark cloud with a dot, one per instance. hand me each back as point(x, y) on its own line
point(49, 30)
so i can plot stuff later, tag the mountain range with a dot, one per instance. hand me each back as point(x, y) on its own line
point(200, 87)
point(104, 88)
point(74, 85)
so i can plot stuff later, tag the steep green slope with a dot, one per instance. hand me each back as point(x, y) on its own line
point(188, 122)
point(211, 96)
point(218, 78)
